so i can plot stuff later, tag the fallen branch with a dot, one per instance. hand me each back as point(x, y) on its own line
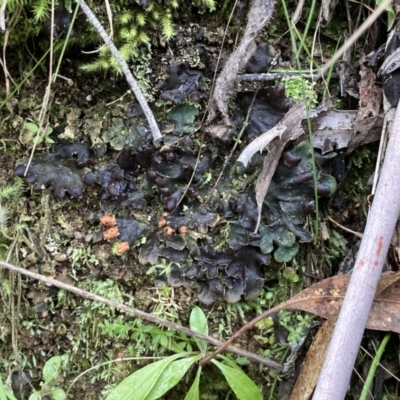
point(155, 131)
point(275, 76)
point(335, 376)
point(141, 314)
point(258, 16)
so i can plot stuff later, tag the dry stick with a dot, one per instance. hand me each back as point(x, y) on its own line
point(343, 348)
point(155, 131)
point(141, 314)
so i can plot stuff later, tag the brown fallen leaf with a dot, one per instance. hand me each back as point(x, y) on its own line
point(312, 365)
point(387, 292)
point(325, 299)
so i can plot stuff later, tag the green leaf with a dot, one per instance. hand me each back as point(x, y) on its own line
point(391, 14)
point(193, 393)
point(183, 117)
point(139, 384)
point(198, 323)
point(171, 376)
point(52, 368)
point(35, 396)
point(4, 393)
point(58, 394)
point(243, 387)
point(290, 275)
point(31, 127)
point(38, 139)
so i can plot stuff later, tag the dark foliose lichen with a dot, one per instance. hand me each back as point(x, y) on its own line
point(261, 60)
point(182, 83)
point(268, 106)
point(61, 170)
point(206, 237)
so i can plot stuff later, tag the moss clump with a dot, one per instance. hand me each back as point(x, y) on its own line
point(298, 88)
point(136, 28)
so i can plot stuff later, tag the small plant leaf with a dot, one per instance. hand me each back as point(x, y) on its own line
point(31, 127)
point(58, 394)
point(4, 393)
point(38, 139)
point(193, 393)
point(243, 387)
point(52, 368)
point(139, 384)
point(171, 376)
point(198, 323)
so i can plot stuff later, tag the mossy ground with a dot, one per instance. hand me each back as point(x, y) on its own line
point(56, 239)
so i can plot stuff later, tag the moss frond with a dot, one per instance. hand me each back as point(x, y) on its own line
point(41, 9)
point(96, 66)
point(155, 15)
point(143, 38)
point(210, 4)
point(12, 192)
point(104, 51)
point(4, 218)
point(125, 18)
point(141, 19)
point(167, 27)
point(9, 196)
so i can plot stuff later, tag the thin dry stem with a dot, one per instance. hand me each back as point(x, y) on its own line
point(141, 314)
point(353, 38)
point(155, 130)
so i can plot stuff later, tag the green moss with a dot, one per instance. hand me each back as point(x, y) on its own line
point(336, 249)
point(134, 28)
point(299, 89)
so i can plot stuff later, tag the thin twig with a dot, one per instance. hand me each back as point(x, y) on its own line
point(358, 234)
point(155, 131)
point(273, 76)
point(288, 304)
point(141, 314)
point(46, 97)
